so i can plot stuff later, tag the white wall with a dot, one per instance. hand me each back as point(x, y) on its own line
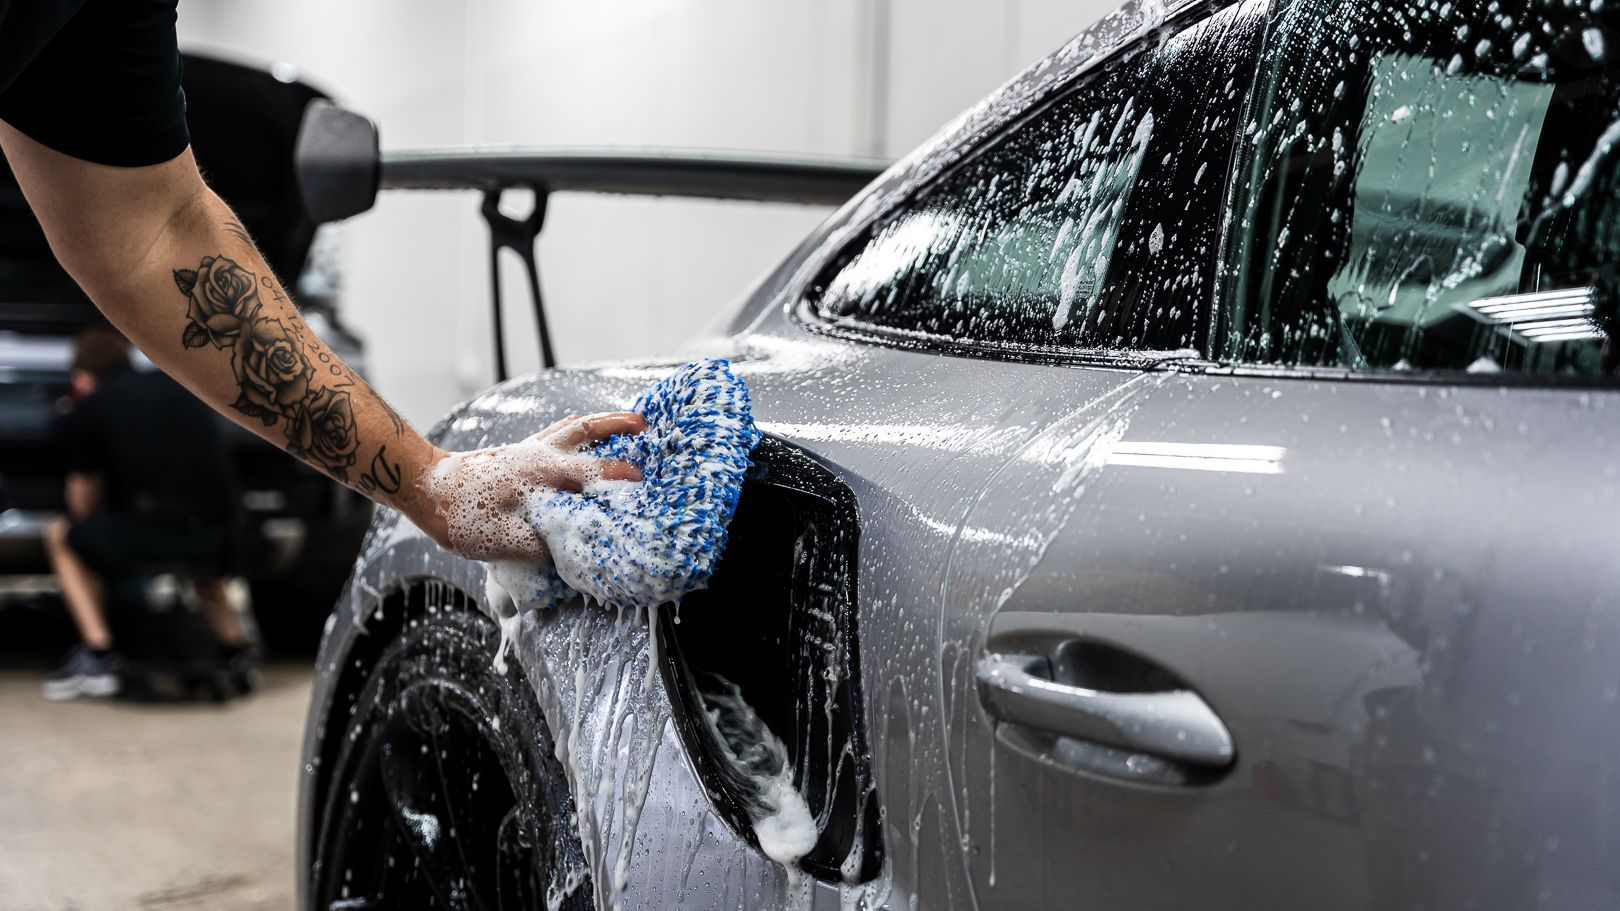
point(623, 277)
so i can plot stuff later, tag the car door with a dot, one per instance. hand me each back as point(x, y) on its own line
point(1033, 290)
point(1330, 620)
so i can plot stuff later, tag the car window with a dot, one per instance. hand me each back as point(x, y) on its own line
point(1430, 187)
point(1089, 224)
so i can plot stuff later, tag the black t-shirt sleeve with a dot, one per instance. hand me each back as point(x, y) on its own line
point(107, 87)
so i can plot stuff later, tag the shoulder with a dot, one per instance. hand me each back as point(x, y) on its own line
point(115, 64)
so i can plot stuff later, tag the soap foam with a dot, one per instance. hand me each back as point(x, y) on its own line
point(639, 545)
point(778, 813)
point(481, 494)
point(480, 500)
point(500, 579)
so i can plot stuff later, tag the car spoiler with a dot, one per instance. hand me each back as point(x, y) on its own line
point(643, 172)
point(341, 169)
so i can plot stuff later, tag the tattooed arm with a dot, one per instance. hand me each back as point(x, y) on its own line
point(169, 264)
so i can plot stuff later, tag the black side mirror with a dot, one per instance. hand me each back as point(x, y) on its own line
point(337, 161)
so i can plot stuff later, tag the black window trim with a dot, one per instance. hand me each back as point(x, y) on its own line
point(803, 313)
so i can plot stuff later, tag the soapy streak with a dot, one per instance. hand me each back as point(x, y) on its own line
point(780, 817)
point(609, 745)
point(1056, 467)
point(638, 546)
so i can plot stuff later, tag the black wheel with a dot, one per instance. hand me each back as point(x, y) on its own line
point(446, 793)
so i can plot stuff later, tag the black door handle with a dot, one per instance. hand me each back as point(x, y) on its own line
point(1172, 723)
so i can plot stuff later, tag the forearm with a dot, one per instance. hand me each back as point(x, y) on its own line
point(169, 264)
point(203, 304)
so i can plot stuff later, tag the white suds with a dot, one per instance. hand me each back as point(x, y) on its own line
point(781, 819)
point(424, 826)
point(788, 832)
point(499, 581)
point(481, 494)
point(1593, 40)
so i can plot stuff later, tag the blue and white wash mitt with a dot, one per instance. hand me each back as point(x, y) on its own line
point(641, 544)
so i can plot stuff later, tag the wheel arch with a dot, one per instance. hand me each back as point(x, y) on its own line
point(421, 671)
point(376, 616)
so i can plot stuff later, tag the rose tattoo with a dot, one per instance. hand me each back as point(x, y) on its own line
point(222, 299)
point(273, 373)
point(323, 431)
point(275, 377)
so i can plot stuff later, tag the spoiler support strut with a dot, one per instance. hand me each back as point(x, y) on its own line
point(521, 236)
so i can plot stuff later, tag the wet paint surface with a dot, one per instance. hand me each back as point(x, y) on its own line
point(1398, 598)
point(1383, 667)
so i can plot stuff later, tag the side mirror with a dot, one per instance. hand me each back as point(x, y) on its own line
point(337, 161)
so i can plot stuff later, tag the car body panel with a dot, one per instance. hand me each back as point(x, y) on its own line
point(1321, 608)
point(396, 554)
point(1403, 612)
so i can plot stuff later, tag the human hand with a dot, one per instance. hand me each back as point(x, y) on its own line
point(473, 501)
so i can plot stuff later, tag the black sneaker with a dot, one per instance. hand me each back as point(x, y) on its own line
point(83, 673)
point(242, 668)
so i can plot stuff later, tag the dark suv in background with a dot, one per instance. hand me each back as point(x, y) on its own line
point(303, 530)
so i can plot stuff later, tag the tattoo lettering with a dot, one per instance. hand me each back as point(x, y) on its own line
point(270, 286)
point(238, 232)
point(344, 378)
point(276, 380)
point(384, 476)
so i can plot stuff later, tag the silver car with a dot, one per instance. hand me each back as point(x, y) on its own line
point(1187, 484)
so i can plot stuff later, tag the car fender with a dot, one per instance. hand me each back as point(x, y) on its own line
point(593, 669)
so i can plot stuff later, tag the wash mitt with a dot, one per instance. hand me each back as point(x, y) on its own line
point(642, 544)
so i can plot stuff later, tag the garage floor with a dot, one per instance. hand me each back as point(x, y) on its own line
point(120, 806)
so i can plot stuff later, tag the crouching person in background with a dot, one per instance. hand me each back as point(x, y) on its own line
point(150, 488)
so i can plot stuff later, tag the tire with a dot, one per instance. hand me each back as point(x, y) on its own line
point(447, 792)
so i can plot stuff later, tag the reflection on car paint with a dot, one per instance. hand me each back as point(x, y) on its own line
point(1331, 622)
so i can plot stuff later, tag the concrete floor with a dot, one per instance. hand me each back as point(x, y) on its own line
point(112, 805)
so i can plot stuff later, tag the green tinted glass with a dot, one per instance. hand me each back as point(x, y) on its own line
point(1431, 187)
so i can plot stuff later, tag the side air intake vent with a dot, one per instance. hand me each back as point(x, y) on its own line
point(765, 662)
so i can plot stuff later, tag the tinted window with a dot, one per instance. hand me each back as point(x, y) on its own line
point(1433, 187)
point(1090, 224)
